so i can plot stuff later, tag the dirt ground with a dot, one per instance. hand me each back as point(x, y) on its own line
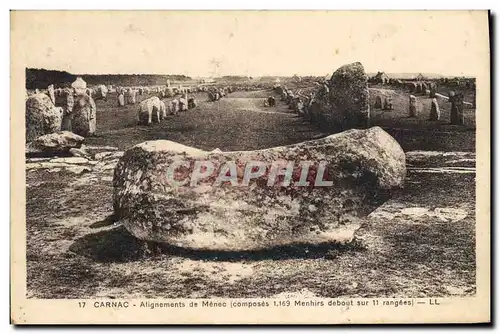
point(420, 243)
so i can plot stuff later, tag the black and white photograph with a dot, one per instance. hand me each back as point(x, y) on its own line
point(254, 160)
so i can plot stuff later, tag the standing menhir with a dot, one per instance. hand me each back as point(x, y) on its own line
point(101, 93)
point(432, 89)
point(413, 106)
point(299, 107)
point(424, 88)
point(84, 120)
point(435, 114)
point(79, 86)
point(151, 109)
point(388, 103)
point(418, 88)
point(283, 95)
point(51, 93)
point(183, 104)
point(192, 103)
point(175, 106)
point(67, 101)
point(413, 87)
point(212, 95)
point(131, 96)
point(169, 92)
point(457, 108)
point(271, 101)
point(163, 110)
point(348, 92)
point(378, 102)
point(121, 99)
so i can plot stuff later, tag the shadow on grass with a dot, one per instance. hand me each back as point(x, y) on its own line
point(108, 221)
point(117, 245)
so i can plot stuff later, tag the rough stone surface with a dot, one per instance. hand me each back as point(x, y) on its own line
point(348, 98)
point(59, 142)
point(150, 110)
point(42, 116)
point(364, 165)
point(84, 116)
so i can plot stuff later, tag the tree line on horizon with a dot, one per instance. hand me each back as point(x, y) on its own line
point(42, 78)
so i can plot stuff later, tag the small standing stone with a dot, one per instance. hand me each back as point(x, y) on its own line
point(388, 104)
point(432, 89)
point(51, 93)
point(424, 88)
point(413, 106)
point(418, 88)
point(413, 87)
point(131, 96)
point(435, 112)
point(457, 108)
point(121, 100)
point(378, 102)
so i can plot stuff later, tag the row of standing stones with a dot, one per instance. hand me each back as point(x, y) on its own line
point(316, 105)
point(430, 89)
point(365, 166)
point(339, 104)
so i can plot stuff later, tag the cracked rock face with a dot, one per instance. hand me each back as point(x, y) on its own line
point(364, 166)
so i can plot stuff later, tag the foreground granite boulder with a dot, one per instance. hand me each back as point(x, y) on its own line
point(224, 210)
point(59, 142)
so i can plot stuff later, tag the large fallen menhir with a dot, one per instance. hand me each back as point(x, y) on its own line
point(365, 166)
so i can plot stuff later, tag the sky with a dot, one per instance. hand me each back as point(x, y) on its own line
point(251, 43)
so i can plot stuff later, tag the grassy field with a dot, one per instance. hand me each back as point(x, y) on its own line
point(420, 243)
